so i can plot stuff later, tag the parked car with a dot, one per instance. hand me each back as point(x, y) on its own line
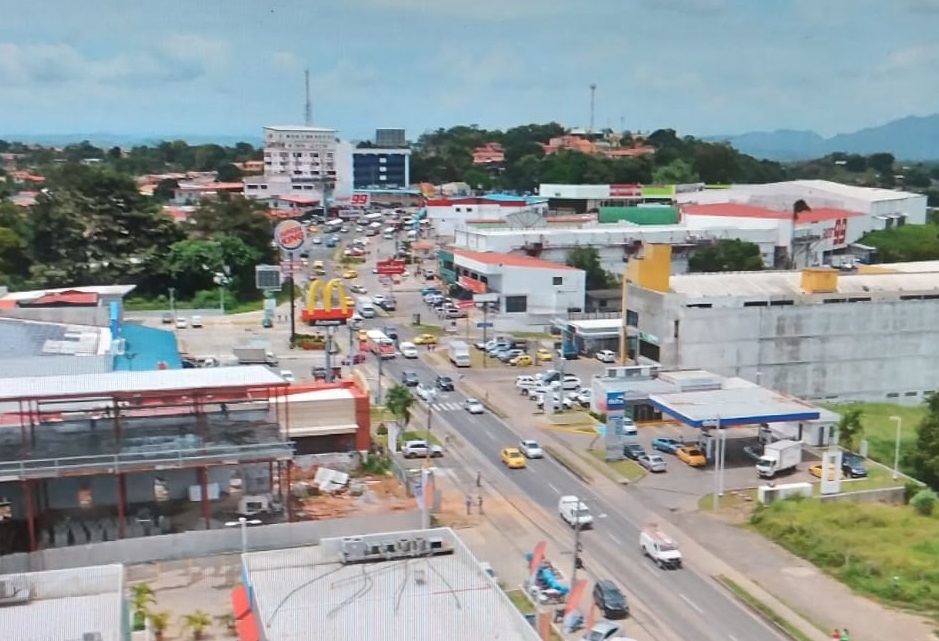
point(652, 462)
point(196, 321)
point(666, 444)
point(181, 323)
point(544, 354)
point(421, 449)
point(167, 318)
point(570, 382)
point(833, 474)
point(319, 373)
point(610, 600)
point(444, 383)
point(606, 356)
point(473, 406)
point(633, 451)
point(853, 466)
point(508, 355)
point(531, 449)
point(604, 631)
point(692, 456)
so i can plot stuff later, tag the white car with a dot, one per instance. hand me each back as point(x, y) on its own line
point(531, 449)
point(288, 376)
point(181, 323)
point(606, 356)
point(425, 392)
point(538, 390)
point(378, 299)
point(524, 383)
point(570, 382)
point(196, 321)
point(317, 240)
point(409, 350)
point(473, 406)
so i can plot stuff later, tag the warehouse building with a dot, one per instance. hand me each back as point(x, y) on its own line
point(865, 334)
point(526, 287)
point(449, 214)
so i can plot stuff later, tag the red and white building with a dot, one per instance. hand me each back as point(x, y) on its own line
point(449, 214)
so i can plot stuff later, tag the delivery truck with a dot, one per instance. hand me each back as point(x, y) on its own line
point(779, 457)
point(255, 356)
point(459, 353)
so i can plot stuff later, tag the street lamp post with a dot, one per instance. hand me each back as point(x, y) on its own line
point(430, 400)
point(243, 523)
point(896, 450)
point(222, 279)
point(378, 386)
point(173, 302)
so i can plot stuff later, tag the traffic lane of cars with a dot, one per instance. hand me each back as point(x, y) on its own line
point(614, 539)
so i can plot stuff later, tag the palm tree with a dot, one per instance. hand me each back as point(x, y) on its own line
point(142, 597)
point(850, 429)
point(198, 621)
point(399, 401)
point(159, 622)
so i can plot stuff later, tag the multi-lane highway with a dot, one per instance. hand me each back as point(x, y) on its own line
point(691, 604)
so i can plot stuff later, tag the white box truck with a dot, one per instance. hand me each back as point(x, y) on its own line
point(575, 512)
point(779, 457)
point(459, 353)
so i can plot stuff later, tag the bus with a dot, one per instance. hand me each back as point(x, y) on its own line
point(378, 343)
point(372, 218)
point(334, 225)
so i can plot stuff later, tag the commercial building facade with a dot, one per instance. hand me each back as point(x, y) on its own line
point(450, 214)
point(525, 286)
point(374, 168)
point(867, 334)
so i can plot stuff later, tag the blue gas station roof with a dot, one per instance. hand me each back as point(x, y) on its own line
point(749, 405)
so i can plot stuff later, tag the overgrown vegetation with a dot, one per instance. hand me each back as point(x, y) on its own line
point(888, 552)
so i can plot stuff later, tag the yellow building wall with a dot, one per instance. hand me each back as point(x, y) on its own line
point(653, 271)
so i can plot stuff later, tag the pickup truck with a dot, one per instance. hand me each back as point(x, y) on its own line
point(575, 512)
point(421, 449)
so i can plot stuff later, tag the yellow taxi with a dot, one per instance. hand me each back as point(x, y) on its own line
point(424, 339)
point(319, 268)
point(522, 360)
point(513, 458)
point(349, 301)
point(691, 456)
point(544, 354)
point(833, 474)
point(363, 335)
point(350, 273)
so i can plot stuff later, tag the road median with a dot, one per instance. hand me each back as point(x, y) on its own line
point(483, 397)
point(567, 462)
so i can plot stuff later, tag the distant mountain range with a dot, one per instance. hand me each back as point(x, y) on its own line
point(107, 141)
point(914, 138)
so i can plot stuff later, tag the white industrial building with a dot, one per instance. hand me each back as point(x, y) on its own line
point(450, 214)
point(300, 161)
point(527, 287)
point(867, 334)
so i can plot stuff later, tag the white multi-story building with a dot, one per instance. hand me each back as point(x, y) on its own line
point(302, 160)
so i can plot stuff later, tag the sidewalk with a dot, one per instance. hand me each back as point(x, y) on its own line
point(795, 589)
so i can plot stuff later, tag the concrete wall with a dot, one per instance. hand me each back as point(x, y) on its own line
point(867, 351)
point(891, 495)
point(207, 543)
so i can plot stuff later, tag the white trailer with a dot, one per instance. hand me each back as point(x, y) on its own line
point(779, 457)
point(459, 353)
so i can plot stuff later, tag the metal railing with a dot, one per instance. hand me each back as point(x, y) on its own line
point(131, 461)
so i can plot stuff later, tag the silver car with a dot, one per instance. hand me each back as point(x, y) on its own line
point(652, 462)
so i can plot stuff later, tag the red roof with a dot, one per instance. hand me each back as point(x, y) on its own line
point(739, 210)
point(299, 200)
point(70, 297)
point(510, 260)
point(213, 187)
point(448, 202)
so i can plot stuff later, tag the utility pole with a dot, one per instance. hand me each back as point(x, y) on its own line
point(173, 302)
point(378, 388)
point(485, 330)
point(293, 304)
point(577, 545)
point(329, 355)
point(593, 95)
point(308, 105)
point(430, 400)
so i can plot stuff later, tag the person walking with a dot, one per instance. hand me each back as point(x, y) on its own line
point(479, 503)
point(836, 635)
point(845, 636)
point(469, 505)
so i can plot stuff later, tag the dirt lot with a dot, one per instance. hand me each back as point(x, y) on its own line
point(380, 494)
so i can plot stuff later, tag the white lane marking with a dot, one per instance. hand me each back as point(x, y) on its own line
point(651, 570)
point(691, 603)
point(732, 637)
point(489, 434)
point(554, 489)
point(615, 540)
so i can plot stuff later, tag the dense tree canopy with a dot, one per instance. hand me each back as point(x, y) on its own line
point(587, 258)
point(925, 456)
point(904, 244)
point(727, 255)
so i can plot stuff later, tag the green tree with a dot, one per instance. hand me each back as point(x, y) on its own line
point(229, 173)
point(197, 622)
point(587, 258)
point(399, 402)
point(677, 172)
point(882, 163)
point(906, 243)
point(727, 255)
point(165, 190)
point(234, 215)
point(924, 458)
point(850, 429)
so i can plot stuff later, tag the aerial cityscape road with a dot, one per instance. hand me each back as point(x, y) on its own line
point(690, 603)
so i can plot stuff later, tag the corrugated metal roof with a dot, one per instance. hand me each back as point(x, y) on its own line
point(65, 604)
point(32, 387)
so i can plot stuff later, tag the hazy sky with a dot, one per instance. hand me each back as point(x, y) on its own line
point(700, 66)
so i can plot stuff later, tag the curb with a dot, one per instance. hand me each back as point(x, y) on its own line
point(764, 613)
point(568, 464)
point(604, 469)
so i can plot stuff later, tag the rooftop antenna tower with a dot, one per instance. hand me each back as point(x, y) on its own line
point(593, 96)
point(308, 106)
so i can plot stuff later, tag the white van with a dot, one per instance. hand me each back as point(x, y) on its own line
point(388, 233)
point(660, 548)
point(364, 307)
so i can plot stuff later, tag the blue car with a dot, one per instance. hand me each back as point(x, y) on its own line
point(667, 445)
point(430, 290)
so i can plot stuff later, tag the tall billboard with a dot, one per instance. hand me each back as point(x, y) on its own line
point(615, 418)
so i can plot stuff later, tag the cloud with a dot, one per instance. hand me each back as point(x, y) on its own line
point(285, 60)
point(175, 58)
point(918, 59)
point(468, 75)
point(687, 6)
point(480, 10)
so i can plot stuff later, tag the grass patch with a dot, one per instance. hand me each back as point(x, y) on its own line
point(630, 470)
point(567, 462)
point(763, 610)
point(520, 601)
point(881, 432)
point(535, 336)
point(418, 435)
point(576, 420)
point(884, 551)
point(877, 479)
point(736, 500)
point(436, 330)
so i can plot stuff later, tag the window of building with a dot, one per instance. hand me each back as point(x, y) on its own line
point(484, 279)
point(557, 280)
point(632, 318)
point(516, 304)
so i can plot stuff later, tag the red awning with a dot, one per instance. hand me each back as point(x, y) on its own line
point(248, 629)
point(240, 604)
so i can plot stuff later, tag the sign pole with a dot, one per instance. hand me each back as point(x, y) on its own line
point(293, 305)
point(329, 355)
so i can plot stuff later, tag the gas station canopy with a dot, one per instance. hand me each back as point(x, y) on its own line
point(744, 405)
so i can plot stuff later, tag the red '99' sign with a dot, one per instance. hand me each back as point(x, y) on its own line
point(840, 234)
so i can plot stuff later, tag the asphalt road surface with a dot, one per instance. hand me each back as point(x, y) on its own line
point(691, 604)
